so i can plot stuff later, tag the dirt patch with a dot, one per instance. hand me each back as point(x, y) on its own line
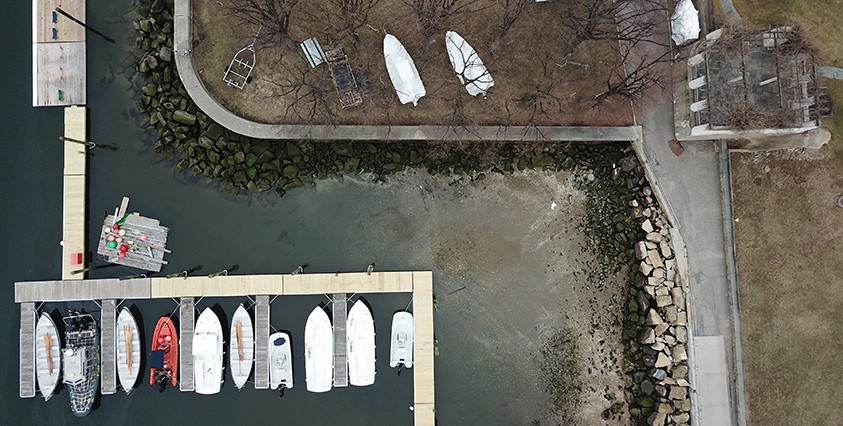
point(534, 81)
point(789, 236)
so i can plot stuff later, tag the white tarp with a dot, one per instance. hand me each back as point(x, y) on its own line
point(467, 64)
point(685, 23)
point(402, 71)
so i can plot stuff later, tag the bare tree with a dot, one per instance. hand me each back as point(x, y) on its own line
point(636, 74)
point(271, 16)
point(622, 20)
point(512, 10)
point(543, 100)
point(433, 14)
point(308, 94)
point(344, 17)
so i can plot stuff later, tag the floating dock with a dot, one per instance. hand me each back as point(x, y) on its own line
point(73, 198)
point(262, 342)
point(133, 240)
point(58, 53)
point(27, 350)
point(339, 318)
point(419, 283)
point(108, 345)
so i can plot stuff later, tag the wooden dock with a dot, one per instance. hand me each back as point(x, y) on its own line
point(420, 283)
point(144, 238)
point(27, 350)
point(186, 322)
point(58, 53)
point(262, 342)
point(73, 197)
point(108, 347)
point(339, 316)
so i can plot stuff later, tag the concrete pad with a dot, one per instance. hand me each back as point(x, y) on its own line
point(712, 381)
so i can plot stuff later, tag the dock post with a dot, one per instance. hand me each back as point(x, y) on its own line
point(340, 316)
point(27, 350)
point(186, 322)
point(108, 343)
point(262, 342)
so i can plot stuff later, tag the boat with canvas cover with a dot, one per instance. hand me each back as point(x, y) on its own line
point(81, 361)
point(402, 71)
point(280, 361)
point(164, 358)
point(47, 355)
point(360, 336)
point(242, 347)
point(128, 350)
point(467, 64)
point(207, 354)
point(319, 351)
point(401, 341)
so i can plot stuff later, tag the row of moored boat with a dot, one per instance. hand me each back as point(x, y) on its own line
point(80, 356)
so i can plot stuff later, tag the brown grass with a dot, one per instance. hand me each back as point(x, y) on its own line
point(516, 66)
point(789, 244)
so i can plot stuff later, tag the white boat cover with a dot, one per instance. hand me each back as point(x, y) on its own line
point(46, 331)
point(207, 353)
point(280, 361)
point(402, 71)
point(467, 64)
point(241, 368)
point(401, 343)
point(685, 23)
point(319, 351)
point(126, 372)
point(360, 336)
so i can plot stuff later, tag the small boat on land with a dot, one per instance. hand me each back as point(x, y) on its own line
point(319, 351)
point(128, 350)
point(280, 361)
point(207, 354)
point(242, 347)
point(81, 361)
point(467, 64)
point(401, 343)
point(164, 358)
point(47, 355)
point(360, 336)
point(402, 71)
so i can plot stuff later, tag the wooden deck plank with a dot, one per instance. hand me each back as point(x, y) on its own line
point(353, 282)
point(262, 315)
point(27, 350)
point(187, 312)
point(225, 285)
point(63, 291)
point(108, 347)
point(76, 127)
point(423, 349)
point(339, 319)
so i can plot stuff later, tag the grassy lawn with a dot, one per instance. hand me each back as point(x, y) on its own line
point(789, 243)
point(528, 61)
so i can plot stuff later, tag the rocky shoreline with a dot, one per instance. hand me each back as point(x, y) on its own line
point(624, 224)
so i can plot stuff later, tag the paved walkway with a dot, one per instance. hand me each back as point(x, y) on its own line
point(193, 85)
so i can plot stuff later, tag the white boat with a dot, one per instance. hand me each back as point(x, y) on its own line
point(280, 361)
point(467, 64)
point(241, 352)
point(360, 336)
point(318, 351)
point(128, 350)
point(402, 71)
point(47, 355)
point(207, 353)
point(401, 343)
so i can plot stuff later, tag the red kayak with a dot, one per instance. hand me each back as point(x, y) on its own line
point(164, 359)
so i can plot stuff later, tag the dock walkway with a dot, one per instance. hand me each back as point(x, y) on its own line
point(73, 195)
point(58, 53)
point(339, 314)
point(262, 342)
point(27, 350)
point(187, 310)
point(108, 343)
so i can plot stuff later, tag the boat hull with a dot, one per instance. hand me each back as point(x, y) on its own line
point(280, 361)
point(467, 64)
point(319, 351)
point(81, 362)
point(165, 328)
point(207, 354)
point(360, 339)
point(401, 340)
point(242, 347)
point(128, 350)
point(402, 71)
point(47, 356)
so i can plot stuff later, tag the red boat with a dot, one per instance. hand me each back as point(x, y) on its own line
point(164, 359)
